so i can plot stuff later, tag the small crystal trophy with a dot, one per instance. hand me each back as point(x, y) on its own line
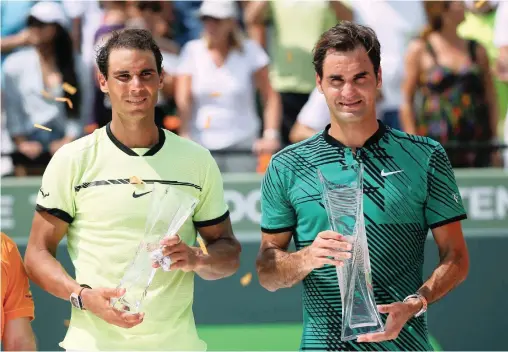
point(168, 210)
point(343, 201)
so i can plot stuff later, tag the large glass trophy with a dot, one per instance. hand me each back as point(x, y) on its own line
point(169, 208)
point(343, 200)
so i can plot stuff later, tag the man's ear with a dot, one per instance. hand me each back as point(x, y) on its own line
point(318, 83)
point(379, 78)
point(161, 80)
point(103, 82)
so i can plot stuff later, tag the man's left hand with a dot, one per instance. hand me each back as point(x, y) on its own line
point(399, 314)
point(182, 256)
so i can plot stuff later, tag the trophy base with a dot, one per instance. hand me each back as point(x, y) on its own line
point(352, 333)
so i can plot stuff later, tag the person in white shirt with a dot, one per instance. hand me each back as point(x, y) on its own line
point(501, 42)
point(216, 86)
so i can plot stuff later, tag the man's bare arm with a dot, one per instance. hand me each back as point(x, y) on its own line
point(342, 12)
point(18, 335)
point(40, 257)
point(255, 12)
point(453, 265)
point(277, 268)
point(299, 132)
point(223, 248)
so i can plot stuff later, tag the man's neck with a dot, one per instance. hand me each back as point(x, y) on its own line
point(135, 134)
point(354, 135)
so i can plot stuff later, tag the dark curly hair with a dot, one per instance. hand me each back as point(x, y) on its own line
point(139, 39)
point(347, 36)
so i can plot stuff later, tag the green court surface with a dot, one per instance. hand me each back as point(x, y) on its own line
point(251, 337)
point(257, 337)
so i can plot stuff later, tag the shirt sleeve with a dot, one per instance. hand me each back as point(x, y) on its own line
point(56, 195)
point(18, 301)
point(186, 60)
point(315, 113)
point(257, 55)
point(212, 208)
point(444, 202)
point(277, 213)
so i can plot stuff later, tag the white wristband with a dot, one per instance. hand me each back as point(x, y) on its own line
point(422, 299)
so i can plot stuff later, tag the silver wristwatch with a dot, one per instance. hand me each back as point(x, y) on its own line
point(422, 299)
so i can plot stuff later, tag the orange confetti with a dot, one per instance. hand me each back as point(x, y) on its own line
point(135, 180)
point(246, 279)
point(479, 4)
point(67, 322)
point(42, 127)
point(66, 100)
point(202, 245)
point(69, 88)
point(215, 94)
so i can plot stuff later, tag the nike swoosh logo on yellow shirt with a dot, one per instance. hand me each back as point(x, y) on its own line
point(134, 195)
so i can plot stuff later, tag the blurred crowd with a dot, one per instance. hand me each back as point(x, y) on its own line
point(239, 78)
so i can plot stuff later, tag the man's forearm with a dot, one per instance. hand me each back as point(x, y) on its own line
point(48, 273)
point(223, 259)
point(279, 269)
point(451, 271)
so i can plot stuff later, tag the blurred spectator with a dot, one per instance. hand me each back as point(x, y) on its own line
point(13, 25)
point(396, 23)
point(454, 78)
point(86, 17)
point(33, 79)
point(150, 15)
point(216, 86)
point(17, 302)
point(297, 27)
point(187, 25)
point(501, 42)
point(479, 26)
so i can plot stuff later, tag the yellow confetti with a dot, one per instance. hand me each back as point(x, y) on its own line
point(136, 180)
point(69, 88)
point(246, 279)
point(67, 322)
point(66, 100)
point(42, 127)
point(215, 94)
point(208, 121)
point(202, 245)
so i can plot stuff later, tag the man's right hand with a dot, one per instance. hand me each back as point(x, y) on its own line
point(98, 301)
point(328, 247)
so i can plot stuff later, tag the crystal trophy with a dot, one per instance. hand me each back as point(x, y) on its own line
point(342, 195)
point(169, 208)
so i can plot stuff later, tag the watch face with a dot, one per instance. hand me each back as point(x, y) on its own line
point(75, 301)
